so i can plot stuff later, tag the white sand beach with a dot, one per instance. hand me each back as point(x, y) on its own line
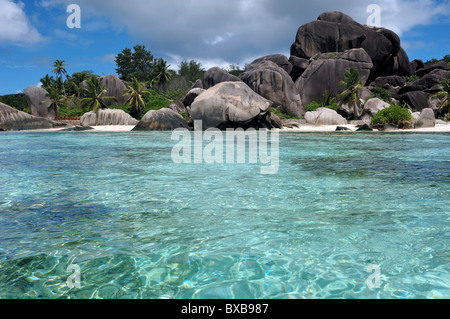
point(113, 128)
point(307, 128)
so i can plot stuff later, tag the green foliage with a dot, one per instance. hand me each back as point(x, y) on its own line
point(155, 101)
point(161, 73)
point(191, 71)
point(95, 98)
point(138, 64)
point(185, 116)
point(282, 116)
point(17, 101)
point(393, 114)
point(328, 101)
point(135, 93)
point(412, 78)
point(382, 94)
point(234, 69)
point(353, 83)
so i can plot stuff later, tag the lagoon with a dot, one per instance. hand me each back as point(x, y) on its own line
point(139, 225)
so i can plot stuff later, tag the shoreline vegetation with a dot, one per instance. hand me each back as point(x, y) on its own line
point(371, 86)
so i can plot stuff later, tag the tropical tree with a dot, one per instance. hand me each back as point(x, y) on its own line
point(55, 98)
point(162, 73)
point(136, 92)
point(137, 63)
point(444, 94)
point(59, 68)
point(95, 98)
point(47, 82)
point(191, 70)
point(353, 84)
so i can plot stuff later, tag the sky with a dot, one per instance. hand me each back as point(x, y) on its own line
point(35, 33)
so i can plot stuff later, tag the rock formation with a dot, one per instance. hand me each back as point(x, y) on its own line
point(272, 82)
point(107, 117)
point(15, 120)
point(34, 96)
point(217, 75)
point(326, 70)
point(161, 120)
point(324, 116)
point(229, 104)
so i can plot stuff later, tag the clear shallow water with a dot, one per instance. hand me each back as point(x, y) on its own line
point(140, 226)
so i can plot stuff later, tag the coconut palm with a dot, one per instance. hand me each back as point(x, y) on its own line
point(60, 70)
point(47, 82)
point(162, 73)
point(95, 98)
point(353, 84)
point(55, 98)
point(444, 94)
point(135, 92)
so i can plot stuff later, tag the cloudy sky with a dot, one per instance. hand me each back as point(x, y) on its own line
point(214, 32)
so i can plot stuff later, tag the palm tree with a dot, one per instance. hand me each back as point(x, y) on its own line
point(135, 92)
point(47, 82)
point(353, 85)
point(55, 98)
point(444, 94)
point(60, 70)
point(95, 98)
point(162, 73)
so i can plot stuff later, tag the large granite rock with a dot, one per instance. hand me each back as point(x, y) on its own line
point(279, 59)
point(273, 83)
point(417, 100)
point(337, 32)
point(441, 65)
point(325, 72)
point(107, 117)
point(299, 66)
point(161, 120)
point(324, 116)
point(426, 119)
point(389, 81)
point(191, 96)
point(114, 87)
point(217, 75)
point(229, 104)
point(432, 78)
point(372, 107)
point(34, 96)
point(15, 120)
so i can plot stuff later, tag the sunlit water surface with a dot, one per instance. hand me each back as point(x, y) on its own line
point(140, 226)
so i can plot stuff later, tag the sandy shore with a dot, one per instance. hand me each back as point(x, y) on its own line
point(439, 128)
point(113, 128)
point(303, 128)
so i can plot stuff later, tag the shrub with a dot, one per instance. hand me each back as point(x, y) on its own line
point(17, 101)
point(382, 94)
point(393, 114)
point(155, 101)
point(282, 116)
point(412, 78)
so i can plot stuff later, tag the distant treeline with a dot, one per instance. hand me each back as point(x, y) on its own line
point(17, 101)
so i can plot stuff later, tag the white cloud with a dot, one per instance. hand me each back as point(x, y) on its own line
point(234, 30)
point(15, 27)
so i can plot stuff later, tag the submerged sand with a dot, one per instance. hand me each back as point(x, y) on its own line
point(302, 128)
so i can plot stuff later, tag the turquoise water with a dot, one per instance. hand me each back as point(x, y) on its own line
point(140, 226)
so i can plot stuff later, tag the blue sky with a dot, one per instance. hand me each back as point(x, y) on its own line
point(34, 33)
